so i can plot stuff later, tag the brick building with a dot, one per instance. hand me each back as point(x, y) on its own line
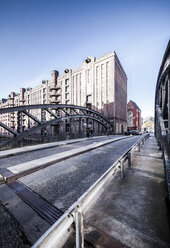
point(134, 116)
point(99, 83)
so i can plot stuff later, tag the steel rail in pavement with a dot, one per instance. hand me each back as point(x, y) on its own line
point(60, 231)
point(5, 175)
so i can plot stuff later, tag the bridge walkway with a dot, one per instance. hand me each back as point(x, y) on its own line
point(133, 211)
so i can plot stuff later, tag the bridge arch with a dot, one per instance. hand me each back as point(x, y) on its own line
point(59, 113)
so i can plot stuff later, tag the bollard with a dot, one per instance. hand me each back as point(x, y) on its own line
point(129, 159)
point(122, 169)
point(79, 230)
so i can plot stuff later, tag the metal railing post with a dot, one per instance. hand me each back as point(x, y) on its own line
point(129, 159)
point(138, 147)
point(122, 169)
point(79, 230)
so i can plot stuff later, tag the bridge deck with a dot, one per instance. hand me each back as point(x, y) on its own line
point(134, 210)
point(21, 150)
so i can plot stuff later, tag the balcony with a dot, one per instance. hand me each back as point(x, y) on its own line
point(55, 102)
point(11, 98)
point(55, 88)
point(55, 95)
point(22, 100)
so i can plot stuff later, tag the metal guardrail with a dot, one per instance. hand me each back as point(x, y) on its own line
point(72, 220)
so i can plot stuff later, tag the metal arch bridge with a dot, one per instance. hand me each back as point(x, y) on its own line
point(162, 99)
point(162, 113)
point(58, 112)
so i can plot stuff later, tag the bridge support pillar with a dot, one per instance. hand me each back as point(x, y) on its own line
point(79, 230)
point(43, 130)
point(129, 159)
point(19, 126)
point(138, 147)
point(80, 127)
point(19, 122)
point(169, 108)
point(122, 175)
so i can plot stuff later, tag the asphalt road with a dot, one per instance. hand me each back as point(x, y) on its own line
point(22, 158)
point(63, 183)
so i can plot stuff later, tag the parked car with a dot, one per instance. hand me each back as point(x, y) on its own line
point(132, 132)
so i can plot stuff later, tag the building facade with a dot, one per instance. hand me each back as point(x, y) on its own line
point(134, 116)
point(99, 84)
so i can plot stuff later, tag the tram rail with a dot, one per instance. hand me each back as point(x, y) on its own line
point(14, 172)
point(72, 220)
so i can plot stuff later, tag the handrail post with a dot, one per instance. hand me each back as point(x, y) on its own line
point(129, 159)
point(79, 230)
point(122, 169)
point(138, 147)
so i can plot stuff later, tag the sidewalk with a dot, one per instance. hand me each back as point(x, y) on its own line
point(133, 211)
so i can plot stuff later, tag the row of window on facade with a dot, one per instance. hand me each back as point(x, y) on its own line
point(36, 96)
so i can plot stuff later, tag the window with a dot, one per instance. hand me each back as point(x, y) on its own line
point(67, 81)
point(77, 89)
point(73, 87)
point(80, 88)
point(88, 99)
point(102, 82)
point(107, 80)
point(97, 83)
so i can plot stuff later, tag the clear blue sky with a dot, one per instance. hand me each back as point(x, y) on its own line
point(37, 36)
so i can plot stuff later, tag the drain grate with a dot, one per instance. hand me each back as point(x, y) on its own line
point(47, 211)
point(98, 238)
